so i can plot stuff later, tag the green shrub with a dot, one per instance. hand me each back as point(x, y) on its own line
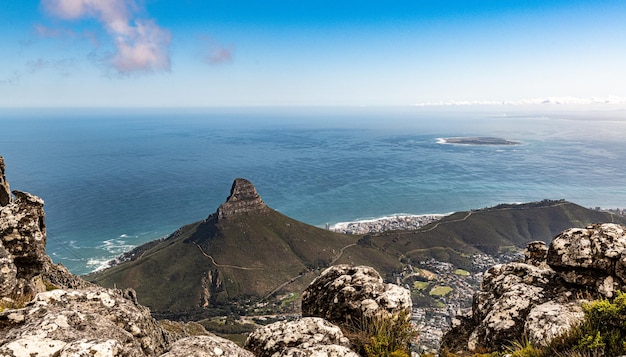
point(383, 336)
point(602, 333)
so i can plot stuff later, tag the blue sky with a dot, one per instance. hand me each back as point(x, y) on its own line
point(120, 53)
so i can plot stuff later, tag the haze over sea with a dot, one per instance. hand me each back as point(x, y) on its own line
point(113, 179)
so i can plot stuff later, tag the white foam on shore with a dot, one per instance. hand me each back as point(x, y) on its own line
point(116, 246)
point(98, 264)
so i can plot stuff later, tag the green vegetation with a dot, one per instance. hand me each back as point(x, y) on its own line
point(383, 336)
point(229, 328)
point(440, 290)
point(49, 286)
point(462, 272)
point(420, 285)
point(14, 301)
point(602, 333)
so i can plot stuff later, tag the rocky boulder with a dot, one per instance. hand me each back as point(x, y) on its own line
point(343, 294)
point(539, 298)
point(5, 193)
point(508, 294)
point(23, 236)
point(298, 338)
point(593, 257)
point(206, 346)
point(89, 319)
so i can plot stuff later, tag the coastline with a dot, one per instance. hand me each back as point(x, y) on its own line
point(387, 223)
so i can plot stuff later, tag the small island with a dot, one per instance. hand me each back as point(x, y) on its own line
point(477, 140)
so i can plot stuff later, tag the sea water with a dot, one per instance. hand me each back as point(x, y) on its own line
point(113, 179)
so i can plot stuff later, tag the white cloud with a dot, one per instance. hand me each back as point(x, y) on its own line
point(141, 45)
point(535, 101)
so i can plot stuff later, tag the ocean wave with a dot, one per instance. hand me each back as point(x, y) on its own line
point(116, 246)
point(98, 264)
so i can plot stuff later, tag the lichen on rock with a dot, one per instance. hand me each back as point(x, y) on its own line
point(343, 294)
point(303, 334)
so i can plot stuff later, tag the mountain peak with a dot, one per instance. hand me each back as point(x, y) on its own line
point(243, 198)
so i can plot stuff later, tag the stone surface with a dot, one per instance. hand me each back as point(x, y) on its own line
point(508, 293)
point(536, 253)
point(319, 351)
point(5, 192)
point(593, 257)
point(243, 198)
point(549, 320)
point(23, 235)
point(343, 294)
point(303, 334)
point(8, 272)
point(89, 318)
point(206, 346)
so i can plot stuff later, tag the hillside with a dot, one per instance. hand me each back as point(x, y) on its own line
point(490, 231)
point(246, 252)
point(244, 249)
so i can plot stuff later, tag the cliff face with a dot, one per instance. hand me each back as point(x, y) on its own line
point(5, 193)
point(243, 198)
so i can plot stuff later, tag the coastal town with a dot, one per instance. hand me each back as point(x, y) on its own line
point(440, 290)
point(391, 223)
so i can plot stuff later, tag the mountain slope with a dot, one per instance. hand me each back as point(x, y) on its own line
point(247, 252)
point(244, 249)
point(491, 231)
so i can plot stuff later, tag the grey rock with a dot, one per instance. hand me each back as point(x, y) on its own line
point(593, 256)
point(343, 294)
point(63, 317)
point(536, 253)
point(5, 192)
point(305, 333)
point(8, 272)
point(243, 198)
point(206, 346)
point(549, 320)
point(507, 295)
point(95, 347)
point(319, 351)
point(23, 235)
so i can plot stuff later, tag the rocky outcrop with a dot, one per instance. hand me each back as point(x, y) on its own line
point(344, 294)
point(5, 192)
point(540, 298)
point(87, 319)
point(243, 198)
point(23, 236)
point(206, 346)
point(593, 257)
point(306, 334)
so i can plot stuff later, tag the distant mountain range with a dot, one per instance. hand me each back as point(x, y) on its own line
point(247, 253)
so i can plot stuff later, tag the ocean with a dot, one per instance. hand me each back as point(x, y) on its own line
point(115, 178)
